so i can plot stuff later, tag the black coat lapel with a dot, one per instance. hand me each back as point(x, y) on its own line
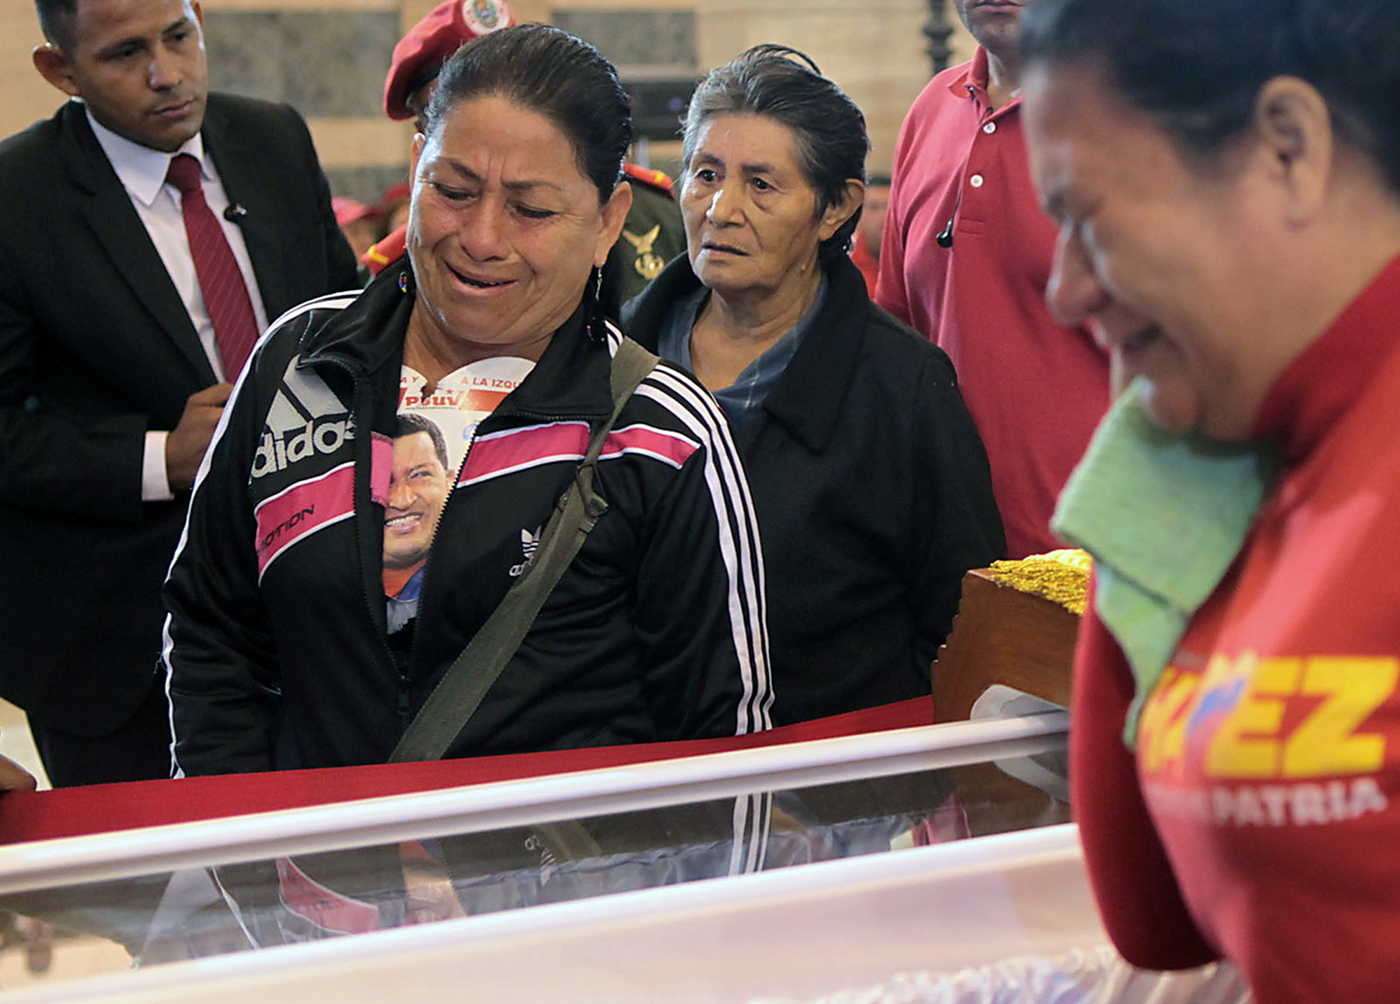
point(123, 236)
point(251, 184)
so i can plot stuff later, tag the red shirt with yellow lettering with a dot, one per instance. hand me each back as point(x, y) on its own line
point(1261, 814)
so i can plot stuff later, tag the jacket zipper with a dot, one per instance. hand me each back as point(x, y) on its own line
point(414, 657)
point(361, 396)
point(405, 707)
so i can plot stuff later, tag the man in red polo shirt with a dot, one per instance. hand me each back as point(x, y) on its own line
point(965, 259)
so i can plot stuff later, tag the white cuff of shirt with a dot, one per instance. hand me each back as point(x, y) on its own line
point(155, 485)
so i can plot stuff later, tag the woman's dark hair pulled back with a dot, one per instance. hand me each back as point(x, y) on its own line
point(828, 128)
point(1197, 66)
point(551, 72)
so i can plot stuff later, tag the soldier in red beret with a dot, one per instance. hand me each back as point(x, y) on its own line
point(653, 233)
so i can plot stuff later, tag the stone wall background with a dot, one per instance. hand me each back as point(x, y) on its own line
point(328, 58)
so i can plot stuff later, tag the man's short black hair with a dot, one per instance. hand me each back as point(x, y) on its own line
point(56, 19)
point(410, 424)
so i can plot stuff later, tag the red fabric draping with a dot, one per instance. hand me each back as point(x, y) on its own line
point(65, 812)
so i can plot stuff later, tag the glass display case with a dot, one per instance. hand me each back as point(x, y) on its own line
point(786, 872)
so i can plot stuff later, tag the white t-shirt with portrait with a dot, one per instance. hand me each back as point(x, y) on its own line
point(456, 406)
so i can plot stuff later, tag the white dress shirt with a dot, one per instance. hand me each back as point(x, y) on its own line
point(142, 172)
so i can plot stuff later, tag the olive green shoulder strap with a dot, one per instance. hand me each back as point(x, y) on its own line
point(456, 697)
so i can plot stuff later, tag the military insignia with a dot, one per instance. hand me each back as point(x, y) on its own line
point(648, 263)
point(485, 15)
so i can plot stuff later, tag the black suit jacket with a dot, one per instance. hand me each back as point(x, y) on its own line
point(96, 347)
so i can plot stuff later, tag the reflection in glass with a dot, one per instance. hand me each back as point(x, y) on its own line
point(200, 912)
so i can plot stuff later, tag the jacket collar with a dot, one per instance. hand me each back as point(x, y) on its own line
point(254, 182)
point(570, 381)
point(972, 81)
point(114, 222)
point(83, 160)
point(142, 170)
point(249, 179)
point(809, 398)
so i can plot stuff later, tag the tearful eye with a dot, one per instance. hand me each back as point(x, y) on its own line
point(452, 194)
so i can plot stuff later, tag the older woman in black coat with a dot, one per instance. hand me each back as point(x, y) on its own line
point(870, 481)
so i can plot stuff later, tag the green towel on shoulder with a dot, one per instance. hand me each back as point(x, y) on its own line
point(1163, 516)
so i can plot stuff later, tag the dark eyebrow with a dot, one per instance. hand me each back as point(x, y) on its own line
point(515, 186)
point(140, 40)
point(756, 168)
point(119, 45)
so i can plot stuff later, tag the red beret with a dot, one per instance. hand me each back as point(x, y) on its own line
point(349, 210)
point(428, 44)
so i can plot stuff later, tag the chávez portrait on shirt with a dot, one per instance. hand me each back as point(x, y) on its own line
point(435, 427)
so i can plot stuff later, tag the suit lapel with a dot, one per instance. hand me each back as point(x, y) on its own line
point(250, 183)
point(123, 236)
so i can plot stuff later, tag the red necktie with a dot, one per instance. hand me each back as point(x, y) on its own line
point(221, 282)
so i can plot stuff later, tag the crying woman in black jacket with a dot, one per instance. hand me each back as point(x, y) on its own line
point(291, 640)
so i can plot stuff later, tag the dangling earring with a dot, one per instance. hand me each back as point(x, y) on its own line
point(593, 296)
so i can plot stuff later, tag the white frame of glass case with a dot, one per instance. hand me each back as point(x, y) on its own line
point(938, 908)
point(475, 808)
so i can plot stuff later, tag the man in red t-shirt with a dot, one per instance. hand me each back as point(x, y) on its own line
point(965, 259)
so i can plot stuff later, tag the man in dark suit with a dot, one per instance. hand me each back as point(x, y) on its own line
point(113, 367)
